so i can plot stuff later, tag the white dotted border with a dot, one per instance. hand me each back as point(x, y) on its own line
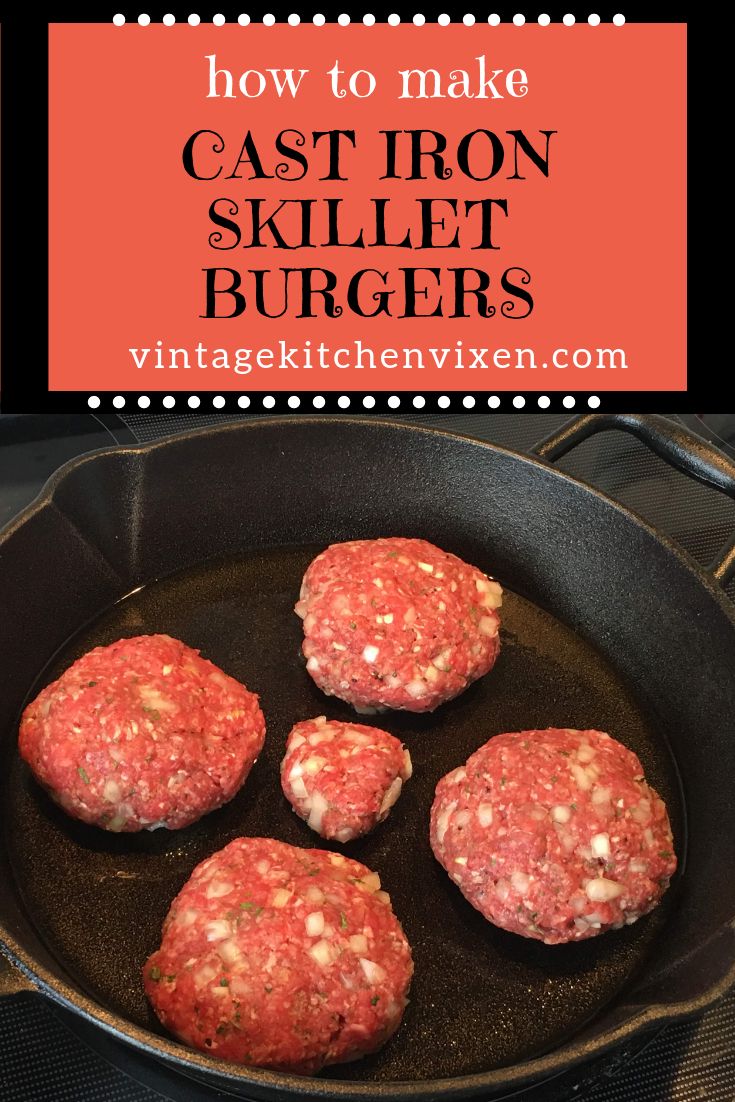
point(367, 20)
point(345, 401)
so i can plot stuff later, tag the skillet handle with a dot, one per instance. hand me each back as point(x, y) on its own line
point(681, 449)
point(12, 980)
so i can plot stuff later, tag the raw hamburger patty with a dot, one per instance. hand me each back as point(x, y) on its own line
point(141, 734)
point(343, 778)
point(281, 957)
point(554, 834)
point(397, 623)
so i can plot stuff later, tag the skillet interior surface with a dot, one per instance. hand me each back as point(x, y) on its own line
point(481, 998)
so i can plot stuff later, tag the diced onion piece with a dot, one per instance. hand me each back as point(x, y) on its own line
point(153, 699)
point(460, 860)
point(520, 881)
point(581, 924)
point(111, 791)
point(485, 814)
point(442, 821)
point(219, 991)
point(562, 813)
point(314, 894)
point(117, 822)
point(641, 811)
point(648, 836)
point(426, 567)
point(416, 688)
point(409, 616)
point(431, 673)
point(462, 818)
point(388, 618)
point(502, 890)
point(494, 597)
point(281, 898)
point(600, 795)
point(585, 753)
point(373, 972)
point(296, 771)
point(205, 975)
point(382, 896)
point(371, 881)
point(602, 890)
point(407, 770)
point(229, 951)
point(370, 653)
point(600, 844)
point(488, 625)
point(322, 952)
point(218, 930)
point(299, 789)
point(318, 806)
point(185, 918)
point(217, 888)
point(581, 776)
point(638, 866)
point(391, 795)
point(313, 663)
point(315, 924)
point(313, 765)
point(293, 744)
point(358, 943)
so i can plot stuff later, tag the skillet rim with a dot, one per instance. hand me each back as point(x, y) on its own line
point(513, 1077)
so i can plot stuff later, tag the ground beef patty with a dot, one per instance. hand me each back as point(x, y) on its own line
point(282, 958)
point(343, 778)
point(554, 834)
point(141, 734)
point(397, 623)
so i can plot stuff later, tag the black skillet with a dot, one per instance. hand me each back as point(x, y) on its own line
point(606, 624)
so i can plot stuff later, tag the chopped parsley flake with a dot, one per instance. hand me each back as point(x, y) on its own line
point(573, 807)
point(267, 988)
point(353, 624)
point(83, 774)
point(343, 920)
point(155, 974)
point(91, 684)
point(392, 555)
point(502, 782)
point(252, 907)
point(152, 712)
point(224, 982)
point(375, 1000)
point(554, 779)
point(666, 853)
point(170, 977)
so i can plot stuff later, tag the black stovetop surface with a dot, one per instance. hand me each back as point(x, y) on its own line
point(42, 1061)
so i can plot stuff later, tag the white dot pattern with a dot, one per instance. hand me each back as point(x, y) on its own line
point(368, 19)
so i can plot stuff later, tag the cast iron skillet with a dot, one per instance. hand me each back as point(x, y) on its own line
point(606, 624)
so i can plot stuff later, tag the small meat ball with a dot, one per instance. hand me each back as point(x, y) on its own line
point(554, 834)
point(280, 957)
point(343, 778)
point(397, 623)
point(142, 734)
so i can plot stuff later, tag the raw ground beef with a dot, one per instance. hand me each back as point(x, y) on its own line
point(141, 734)
point(281, 957)
point(554, 834)
point(343, 778)
point(397, 623)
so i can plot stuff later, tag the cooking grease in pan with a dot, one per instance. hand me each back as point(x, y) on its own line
point(480, 998)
